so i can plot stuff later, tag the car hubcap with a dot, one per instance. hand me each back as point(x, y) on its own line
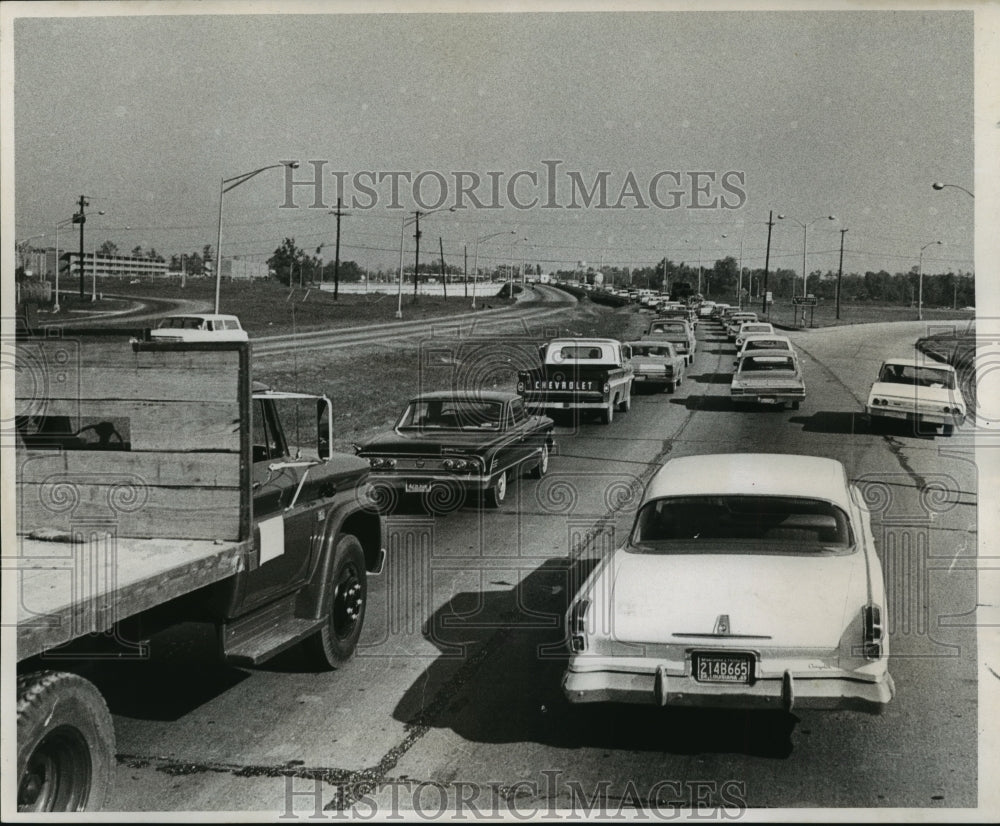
point(57, 777)
point(348, 602)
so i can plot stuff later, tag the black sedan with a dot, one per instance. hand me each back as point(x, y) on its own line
point(450, 444)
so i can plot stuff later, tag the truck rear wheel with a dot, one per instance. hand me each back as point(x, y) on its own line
point(334, 643)
point(65, 744)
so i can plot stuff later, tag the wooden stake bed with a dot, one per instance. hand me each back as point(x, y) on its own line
point(68, 589)
point(132, 466)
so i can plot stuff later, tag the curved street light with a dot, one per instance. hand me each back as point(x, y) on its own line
point(739, 277)
point(920, 279)
point(510, 270)
point(475, 268)
point(805, 231)
point(417, 215)
point(224, 187)
point(939, 186)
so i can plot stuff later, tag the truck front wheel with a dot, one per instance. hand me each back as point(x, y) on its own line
point(65, 744)
point(334, 643)
point(608, 414)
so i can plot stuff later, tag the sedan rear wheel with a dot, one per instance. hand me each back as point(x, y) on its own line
point(539, 470)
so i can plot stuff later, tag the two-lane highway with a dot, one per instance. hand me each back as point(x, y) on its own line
point(454, 700)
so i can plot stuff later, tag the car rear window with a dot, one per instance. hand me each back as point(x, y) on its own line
point(452, 414)
point(741, 524)
point(762, 363)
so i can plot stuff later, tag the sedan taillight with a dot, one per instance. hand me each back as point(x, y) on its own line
point(578, 626)
point(872, 634)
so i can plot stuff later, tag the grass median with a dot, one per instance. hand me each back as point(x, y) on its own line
point(270, 308)
point(371, 384)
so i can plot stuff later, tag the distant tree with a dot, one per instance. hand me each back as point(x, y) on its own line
point(136, 251)
point(108, 248)
point(286, 261)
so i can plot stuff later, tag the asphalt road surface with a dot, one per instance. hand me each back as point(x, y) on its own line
point(453, 701)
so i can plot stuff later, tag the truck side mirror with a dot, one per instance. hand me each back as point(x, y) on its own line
point(324, 428)
point(542, 349)
point(626, 351)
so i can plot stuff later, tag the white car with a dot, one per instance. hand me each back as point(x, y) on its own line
point(737, 320)
point(199, 327)
point(919, 392)
point(748, 581)
point(752, 328)
point(764, 342)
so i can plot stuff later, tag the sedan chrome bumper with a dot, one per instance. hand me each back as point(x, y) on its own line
point(786, 692)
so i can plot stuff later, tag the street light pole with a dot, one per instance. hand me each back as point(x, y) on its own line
point(475, 268)
point(402, 235)
point(224, 187)
point(805, 230)
point(920, 279)
point(840, 270)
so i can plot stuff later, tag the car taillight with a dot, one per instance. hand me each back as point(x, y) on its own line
point(577, 625)
point(377, 462)
point(872, 634)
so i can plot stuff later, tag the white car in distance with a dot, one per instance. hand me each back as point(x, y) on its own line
point(199, 327)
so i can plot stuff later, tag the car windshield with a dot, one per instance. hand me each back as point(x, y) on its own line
point(756, 328)
point(452, 414)
point(917, 376)
point(740, 524)
point(669, 328)
point(756, 364)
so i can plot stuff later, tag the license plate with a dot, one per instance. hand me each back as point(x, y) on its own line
point(418, 487)
point(768, 400)
point(723, 668)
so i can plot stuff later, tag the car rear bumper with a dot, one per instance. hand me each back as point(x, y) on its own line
point(400, 481)
point(954, 419)
point(784, 395)
point(787, 692)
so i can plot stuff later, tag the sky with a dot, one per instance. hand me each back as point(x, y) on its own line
point(699, 123)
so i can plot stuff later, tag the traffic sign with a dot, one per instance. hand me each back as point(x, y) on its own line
point(805, 300)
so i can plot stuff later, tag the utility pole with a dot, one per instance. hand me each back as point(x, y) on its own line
point(81, 218)
point(444, 275)
point(767, 260)
point(336, 254)
point(416, 257)
point(840, 271)
point(465, 269)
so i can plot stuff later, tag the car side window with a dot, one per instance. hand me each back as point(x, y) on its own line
point(518, 413)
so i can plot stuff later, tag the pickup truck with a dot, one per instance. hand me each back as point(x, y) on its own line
point(156, 484)
point(579, 374)
point(677, 331)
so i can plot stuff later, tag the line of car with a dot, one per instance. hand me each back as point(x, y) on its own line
point(747, 581)
point(776, 594)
